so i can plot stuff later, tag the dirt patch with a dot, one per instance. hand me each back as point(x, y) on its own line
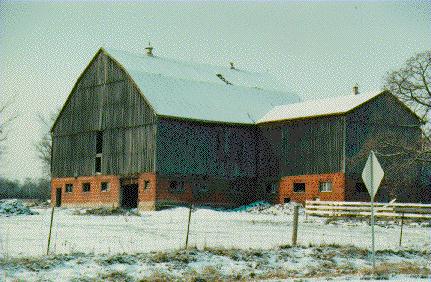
point(107, 212)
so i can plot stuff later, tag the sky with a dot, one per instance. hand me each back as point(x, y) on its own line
point(318, 49)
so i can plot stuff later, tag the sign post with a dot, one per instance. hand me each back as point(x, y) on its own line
point(372, 175)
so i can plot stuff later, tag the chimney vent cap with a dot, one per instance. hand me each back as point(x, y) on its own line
point(149, 49)
point(355, 89)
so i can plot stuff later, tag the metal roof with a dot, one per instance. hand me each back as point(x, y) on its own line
point(320, 107)
point(196, 91)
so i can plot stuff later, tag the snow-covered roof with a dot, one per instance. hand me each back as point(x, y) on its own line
point(320, 107)
point(194, 91)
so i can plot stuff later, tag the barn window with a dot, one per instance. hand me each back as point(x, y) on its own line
point(104, 186)
point(176, 187)
point(271, 188)
point(298, 187)
point(99, 142)
point(86, 187)
point(99, 149)
point(147, 185)
point(98, 164)
point(69, 188)
point(325, 186)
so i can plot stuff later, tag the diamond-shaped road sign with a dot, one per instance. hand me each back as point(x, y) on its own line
point(372, 174)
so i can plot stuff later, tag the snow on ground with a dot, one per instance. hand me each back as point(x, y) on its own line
point(217, 264)
point(26, 235)
point(81, 246)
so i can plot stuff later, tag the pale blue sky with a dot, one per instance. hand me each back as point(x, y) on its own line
point(318, 49)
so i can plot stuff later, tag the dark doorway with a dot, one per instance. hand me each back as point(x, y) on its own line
point(129, 196)
point(58, 197)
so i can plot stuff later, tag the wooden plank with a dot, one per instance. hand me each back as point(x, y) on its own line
point(378, 214)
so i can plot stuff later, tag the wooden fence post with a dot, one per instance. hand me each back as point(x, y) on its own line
point(295, 225)
point(188, 226)
point(401, 232)
point(50, 229)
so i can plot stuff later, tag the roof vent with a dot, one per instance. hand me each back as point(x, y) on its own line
point(355, 89)
point(232, 67)
point(219, 75)
point(149, 49)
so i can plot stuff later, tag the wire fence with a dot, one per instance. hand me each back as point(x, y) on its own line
point(182, 227)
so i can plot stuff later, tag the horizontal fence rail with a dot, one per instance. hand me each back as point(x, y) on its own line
point(355, 209)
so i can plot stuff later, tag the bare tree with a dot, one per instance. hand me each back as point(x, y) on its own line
point(44, 146)
point(412, 85)
point(5, 121)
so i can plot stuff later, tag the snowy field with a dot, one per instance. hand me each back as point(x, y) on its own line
point(225, 245)
point(26, 235)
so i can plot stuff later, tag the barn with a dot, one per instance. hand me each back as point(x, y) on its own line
point(139, 130)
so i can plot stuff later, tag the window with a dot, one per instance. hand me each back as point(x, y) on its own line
point(176, 187)
point(86, 187)
point(99, 149)
point(104, 186)
point(98, 164)
point(271, 188)
point(147, 185)
point(69, 188)
point(99, 142)
point(298, 187)
point(325, 186)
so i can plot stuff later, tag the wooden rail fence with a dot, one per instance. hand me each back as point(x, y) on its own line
point(354, 209)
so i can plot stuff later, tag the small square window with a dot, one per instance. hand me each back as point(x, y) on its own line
point(176, 187)
point(325, 186)
point(69, 188)
point(299, 187)
point(86, 187)
point(147, 185)
point(105, 186)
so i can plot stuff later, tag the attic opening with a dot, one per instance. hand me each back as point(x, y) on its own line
point(219, 75)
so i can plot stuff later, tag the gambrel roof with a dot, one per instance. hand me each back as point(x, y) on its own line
point(200, 91)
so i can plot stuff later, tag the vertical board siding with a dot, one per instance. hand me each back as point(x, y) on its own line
point(190, 148)
point(382, 118)
point(104, 99)
point(300, 147)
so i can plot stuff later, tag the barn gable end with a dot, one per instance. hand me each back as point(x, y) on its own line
point(106, 100)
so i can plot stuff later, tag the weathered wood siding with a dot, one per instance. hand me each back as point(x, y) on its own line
point(191, 148)
point(104, 99)
point(300, 147)
point(382, 119)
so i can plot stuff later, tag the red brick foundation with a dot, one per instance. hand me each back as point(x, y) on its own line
point(156, 193)
point(96, 198)
point(312, 188)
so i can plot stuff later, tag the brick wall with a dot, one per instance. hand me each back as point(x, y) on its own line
point(312, 188)
point(147, 194)
point(216, 195)
point(152, 191)
point(94, 198)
